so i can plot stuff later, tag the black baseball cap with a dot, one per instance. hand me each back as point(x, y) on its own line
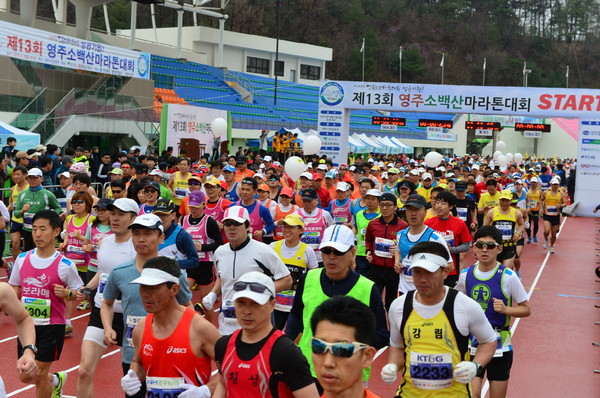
point(416, 201)
point(242, 159)
point(407, 184)
point(461, 186)
point(141, 168)
point(309, 194)
point(164, 206)
point(103, 203)
point(152, 184)
point(387, 196)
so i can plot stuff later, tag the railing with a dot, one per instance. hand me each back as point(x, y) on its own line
point(32, 112)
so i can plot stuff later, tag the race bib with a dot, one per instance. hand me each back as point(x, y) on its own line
point(533, 203)
point(431, 371)
point(312, 238)
point(63, 203)
point(340, 220)
point(75, 254)
point(130, 323)
point(505, 229)
point(228, 311)
point(101, 283)
point(164, 387)
point(462, 212)
point(383, 246)
point(363, 232)
point(39, 309)
point(28, 220)
point(181, 193)
point(285, 300)
point(552, 211)
point(473, 344)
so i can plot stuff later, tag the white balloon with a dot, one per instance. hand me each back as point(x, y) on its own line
point(502, 160)
point(501, 146)
point(219, 127)
point(496, 154)
point(294, 166)
point(311, 145)
point(509, 157)
point(518, 158)
point(433, 159)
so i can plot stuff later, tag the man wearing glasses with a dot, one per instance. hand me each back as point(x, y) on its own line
point(337, 278)
point(343, 329)
point(259, 360)
point(261, 222)
point(152, 192)
point(239, 256)
point(495, 287)
point(31, 201)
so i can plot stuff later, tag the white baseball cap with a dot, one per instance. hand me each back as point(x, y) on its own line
point(267, 158)
point(256, 286)
point(156, 172)
point(35, 172)
point(306, 174)
point(236, 213)
point(428, 261)
point(426, 176)
point(149, 221)
point(322, 167)
point(414, 172)
point(154, 277)
point(373, 192)
point(554, 181)
point(340, 237)
point(125, 204)
point(534, 179)
point(341, 186)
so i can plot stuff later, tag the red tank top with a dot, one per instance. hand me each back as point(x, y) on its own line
point(171, 360)
point(247, 379)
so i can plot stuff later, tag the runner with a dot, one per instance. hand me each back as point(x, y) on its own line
point(152, 194)
point(178, 184)
point(147, 233)
point(16, 223)
point(232, 185)
point(552, 202)
point(194, 184)
point(361, 221)
point(173, 346)
point(316, 220)
point(430, 328)
point(510, 223)
point(113, 250)
point(495, 288)
point(298, 258)
point(239, 256)
point(364, 185)
point(426, 186)
point(282, 209)
point(43, 279)
point(345, 327)
point(258, 361)
point(340, 207)
point(261, 222)
point(534, 201)
point(215, 206)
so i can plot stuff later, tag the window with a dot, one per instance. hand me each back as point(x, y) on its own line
point(257, 65)
point(310, 72)
point(279, 68)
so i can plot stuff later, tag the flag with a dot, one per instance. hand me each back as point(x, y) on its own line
point(362, 48)
point(442, 63)
point(400, 55)
point(484, 63)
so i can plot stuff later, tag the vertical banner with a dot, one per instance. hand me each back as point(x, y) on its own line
point(334, 122)
point(587, 189)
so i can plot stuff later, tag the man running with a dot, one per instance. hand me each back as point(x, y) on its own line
point(361, 221)
point(261, 222)
point(510, 223)
point(173, 345)
point(552, 202)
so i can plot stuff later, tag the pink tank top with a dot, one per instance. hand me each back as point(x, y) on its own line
point(74, 250)
point(37, 292)
point(314, 228)
point(217, 213)
point(341, 214)
point(199, 235)
point(256, 223)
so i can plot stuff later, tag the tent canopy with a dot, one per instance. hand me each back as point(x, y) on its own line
point(25, 139)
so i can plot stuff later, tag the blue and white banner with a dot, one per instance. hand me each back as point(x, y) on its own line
point(29, 44)
point(587, 190)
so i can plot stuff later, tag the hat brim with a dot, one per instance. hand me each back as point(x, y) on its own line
point(112, 207)
point(236, 219)
point(342, 247)
point(259, 298)
point(282, 221)
point(415, 205)
point(147, 280)
point(138, 225)
point(425, 264)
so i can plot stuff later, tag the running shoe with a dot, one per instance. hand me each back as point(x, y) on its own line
point(199, 309)
point(551, 249)
point(545, 245)
point(535, 239)
point(528, 240)
point(196, 287)
point(62, 379)
point(69, 330)
point(84, 305)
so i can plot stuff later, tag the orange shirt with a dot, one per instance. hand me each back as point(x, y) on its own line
point(240, 175)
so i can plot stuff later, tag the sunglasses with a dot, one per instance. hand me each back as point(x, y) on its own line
point(329, 250)
point(116, 192)
point(487, 245)
point(77, 202)
point(193, 183)
point(255, 287)
point(125, 167)
point(343, 350)
point(230, 223)
point(151, 190)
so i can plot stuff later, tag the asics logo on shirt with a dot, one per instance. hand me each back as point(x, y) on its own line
point(176, 350)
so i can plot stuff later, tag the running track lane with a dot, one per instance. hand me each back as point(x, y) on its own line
point(555, 340)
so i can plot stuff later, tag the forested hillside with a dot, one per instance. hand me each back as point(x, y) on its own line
point(548, 34)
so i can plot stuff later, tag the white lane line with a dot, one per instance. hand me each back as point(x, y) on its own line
point(30, 386)
point(72, 319)
point(513, 329)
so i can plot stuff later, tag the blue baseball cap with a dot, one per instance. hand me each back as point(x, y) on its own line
point(229, 168)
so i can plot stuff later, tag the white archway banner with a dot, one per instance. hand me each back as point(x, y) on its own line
point(587, 191)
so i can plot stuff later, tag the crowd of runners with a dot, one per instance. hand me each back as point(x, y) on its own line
point(299, 282)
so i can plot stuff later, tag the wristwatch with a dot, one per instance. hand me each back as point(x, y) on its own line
point(32, 347)
point(479, 367)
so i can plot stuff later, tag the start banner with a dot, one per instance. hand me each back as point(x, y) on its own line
point(29, 44)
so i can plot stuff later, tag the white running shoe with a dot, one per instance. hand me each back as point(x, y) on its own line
point(545, 245)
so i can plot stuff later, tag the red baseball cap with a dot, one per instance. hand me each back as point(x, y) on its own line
point(317, 176)
point(287, 192)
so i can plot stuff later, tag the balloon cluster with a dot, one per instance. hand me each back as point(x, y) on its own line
point(295, 166)
point(502, 159)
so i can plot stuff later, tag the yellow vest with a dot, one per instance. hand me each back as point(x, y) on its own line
point(553, 201)
point(506, 224)
point(425, 192)
point(534, 199)
point(181, 189)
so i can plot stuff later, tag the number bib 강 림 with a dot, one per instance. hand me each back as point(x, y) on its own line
point(431, 371)
point(39, 309)
point(164, 387)
point(130, 323)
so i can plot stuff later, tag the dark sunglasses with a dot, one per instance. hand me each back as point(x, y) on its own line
point(193, 183)
point(329, 250)
point(117, 192)
point(343, 350)
point(255, 287)
point(229, 223)
point(488, 245)
point(150, 190)
point(77, 202)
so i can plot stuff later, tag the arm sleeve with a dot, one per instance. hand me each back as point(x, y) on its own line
point(516, 290)
point(382, 334)
point(462, 248)
point(15, 276)
point(212, 229)
point(272, 261)
point(220, 347)
point(185, 245)
point(328, 218)
point(461, 284)
point(311, 258)
point(69, 275)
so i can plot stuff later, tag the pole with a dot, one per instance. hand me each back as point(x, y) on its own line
point(567, 76)
point(484, 67)
point(400, 72)
point(276, 52)
point(362, 50)
point(442, 65)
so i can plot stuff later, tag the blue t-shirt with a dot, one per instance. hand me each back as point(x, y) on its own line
point(118, 286)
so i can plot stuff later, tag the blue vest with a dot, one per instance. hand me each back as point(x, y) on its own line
point(232, 195)
point(169, 246)
point(405, 245)
point(483, 291)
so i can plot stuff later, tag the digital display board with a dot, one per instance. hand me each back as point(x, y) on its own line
point(396, 121)
point(544, 128)
point(478, 125)
point(445, 124)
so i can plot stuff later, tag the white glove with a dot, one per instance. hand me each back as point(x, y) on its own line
point(465, 371)
point(209, 301)
point(192, 391)
point(389, 373)
point(130, 383)
point(527, 225)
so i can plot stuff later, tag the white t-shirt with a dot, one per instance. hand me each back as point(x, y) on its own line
point(310, 258)
point(67, 271)
point(468, 316)
point(110, 255)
